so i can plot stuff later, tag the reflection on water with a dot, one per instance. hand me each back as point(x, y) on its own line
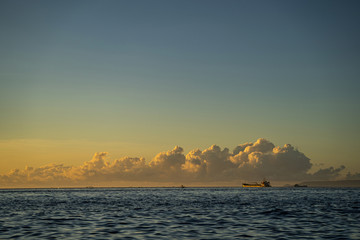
point(185, 213)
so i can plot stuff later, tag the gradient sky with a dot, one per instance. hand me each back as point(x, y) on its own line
point(139, 77)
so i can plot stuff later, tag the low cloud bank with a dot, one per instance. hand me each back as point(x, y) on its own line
point(249, 161)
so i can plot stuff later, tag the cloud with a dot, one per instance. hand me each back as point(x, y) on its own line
point(330, 173)
point(167, 165)
point(354, 176)
point(48, 173)
point(212, 164)
point(249, 161)
point(263, 159)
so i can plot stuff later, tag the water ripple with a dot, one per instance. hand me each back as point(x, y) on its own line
point(191, 213)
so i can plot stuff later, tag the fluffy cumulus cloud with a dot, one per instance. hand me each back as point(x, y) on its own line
point(167, 165)
point(249, 161)
point(263, 159)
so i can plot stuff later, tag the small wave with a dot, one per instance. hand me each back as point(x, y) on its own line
point(191, 214)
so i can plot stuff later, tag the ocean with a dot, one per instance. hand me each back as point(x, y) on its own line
point(180, 213)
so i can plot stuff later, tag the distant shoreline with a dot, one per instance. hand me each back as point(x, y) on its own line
point(339, 183)
point(311, 184)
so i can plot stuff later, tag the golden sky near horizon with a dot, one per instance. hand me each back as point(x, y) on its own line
point(135, 80)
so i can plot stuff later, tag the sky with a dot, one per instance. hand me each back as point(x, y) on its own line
point(85, 82)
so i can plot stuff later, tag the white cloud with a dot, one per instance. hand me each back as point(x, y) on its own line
point(251, 161)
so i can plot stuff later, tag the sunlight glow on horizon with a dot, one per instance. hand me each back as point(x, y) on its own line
point(210, 166)
point(138, 79)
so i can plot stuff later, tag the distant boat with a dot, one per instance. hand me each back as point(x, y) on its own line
point(182, 186)
point(298, 185)
point(264, 183)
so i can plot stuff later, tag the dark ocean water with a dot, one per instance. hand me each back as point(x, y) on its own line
point(175, 213)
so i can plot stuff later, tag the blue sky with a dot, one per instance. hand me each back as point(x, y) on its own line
point(189, 73)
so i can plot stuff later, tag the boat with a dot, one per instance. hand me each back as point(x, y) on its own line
point(264, 183)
